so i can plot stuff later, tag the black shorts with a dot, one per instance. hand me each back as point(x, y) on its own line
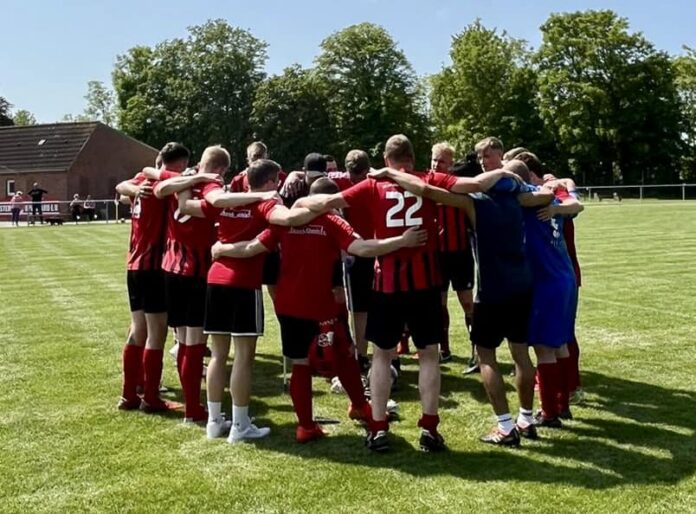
point(146, 291)
point(233, 310)
point(493, 322)
point(360, 277)
point(185, 300)
point(390, 312)
point(297, 335)
point(457, 268)
point(271, 269)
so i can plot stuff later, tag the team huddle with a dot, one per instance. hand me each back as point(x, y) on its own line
point(493, 225)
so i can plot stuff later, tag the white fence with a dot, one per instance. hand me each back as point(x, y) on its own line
point(54, 211)
point(638, 192)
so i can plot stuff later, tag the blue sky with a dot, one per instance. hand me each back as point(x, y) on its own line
point(50, 49)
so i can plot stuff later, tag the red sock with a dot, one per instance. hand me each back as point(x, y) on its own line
point(375, 426)
point(191, 373)
point(180, 353)
point(565, 379)
point(301, 394)
point(152, 365)
point(429, 422)
point(348, 372)
point(132, 369)
point(548, 388)
point(444, 346)
point(403, 343)
point(574, 350)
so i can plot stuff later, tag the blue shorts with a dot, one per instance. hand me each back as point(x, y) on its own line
point(552, 319)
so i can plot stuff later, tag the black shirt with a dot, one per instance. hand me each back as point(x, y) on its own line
point(37, 194)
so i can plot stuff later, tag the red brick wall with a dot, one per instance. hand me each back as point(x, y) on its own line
point(53, 182)
point(107, 158)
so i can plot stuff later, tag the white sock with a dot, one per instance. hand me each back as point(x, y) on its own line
point(525, 418)
point(240, 417)
point(214, 411)
point(505, 423)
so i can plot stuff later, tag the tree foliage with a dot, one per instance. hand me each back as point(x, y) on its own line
point(685, 81)
point(198, 90)
point(290, 115)
point(488, 90)
point(371, 90)
point(23, 117)
point(5, 118)
point(609, 98)
point(100, 103)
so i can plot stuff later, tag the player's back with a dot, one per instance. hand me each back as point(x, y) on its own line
point(148, 225)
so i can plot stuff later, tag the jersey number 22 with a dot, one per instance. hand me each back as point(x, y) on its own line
point(409, 219)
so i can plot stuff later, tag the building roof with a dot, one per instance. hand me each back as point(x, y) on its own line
point(50, 147)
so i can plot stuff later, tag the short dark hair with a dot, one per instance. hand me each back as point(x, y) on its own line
point(315, 162)
point(329, 158)
point(324, 186)
point(172, 152)
point(532, 161)
point(467, 167)
point(357, 162)
point(261, 171)
point(519, 168)
point(399, 149)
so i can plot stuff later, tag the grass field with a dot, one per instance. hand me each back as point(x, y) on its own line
point(632, 447)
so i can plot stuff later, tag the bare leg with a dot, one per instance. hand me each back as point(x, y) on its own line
point(429, 379)
point(524, 374)
point(240, 379)
point(492, 380)
point(215, 379)
point(380, 382)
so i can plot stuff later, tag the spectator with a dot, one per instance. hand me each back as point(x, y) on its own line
point(36, 194)
point(76, 208)
point(88, 208)
point(16, 207)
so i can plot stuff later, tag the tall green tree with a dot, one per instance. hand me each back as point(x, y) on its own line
point(5, 118)
point(23, 117)
point(372, 91)
point(100, 103)
point(198, 90)
point(488, 90)
point(290, 115)
point(685, 80)
point(610, 100)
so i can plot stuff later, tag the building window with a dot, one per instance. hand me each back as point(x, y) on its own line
point(10, 187)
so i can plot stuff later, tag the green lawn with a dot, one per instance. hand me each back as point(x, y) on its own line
point(632, 447)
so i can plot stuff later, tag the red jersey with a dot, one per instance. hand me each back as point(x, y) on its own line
point(147, 230)
point(569, 234)
point(393, 211)
point(240, 224)
point(187, 250)
point(308, 255)
point(359, 219)
point(240, 182)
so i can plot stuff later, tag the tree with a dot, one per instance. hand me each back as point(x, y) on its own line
point(488, 90)
point(685, 81)
point(372, 91)
point(290, 115)
point(100, 103)
point(5, 107)
point(23, 117)
point(609, 98)
point(197, 90)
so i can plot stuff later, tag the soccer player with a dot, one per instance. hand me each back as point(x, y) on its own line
point(331, 165)
point(456, 260)
point(148, 331)
point(406, 286)
point(554, 299)
point(233, 306)
point(503, 299)
point(305, 301)
point(490, 153)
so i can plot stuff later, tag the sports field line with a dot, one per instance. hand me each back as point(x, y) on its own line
point(638, 307)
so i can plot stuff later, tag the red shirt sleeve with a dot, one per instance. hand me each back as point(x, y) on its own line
point(561, 194)
point(270, 237)
point(442, 180)
point(138, 179)
point(340, 231)
point(208, 187)
point(237, 184)
point(165, 174)
point(360, 195)
point(265, 208)
point(211, 213)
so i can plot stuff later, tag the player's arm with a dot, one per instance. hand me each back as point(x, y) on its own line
point(189, 206)
point(540, 198)
point(375, 247)
point(224, 200)
point(130, 189)
point(151, 173)
point(294, 217)
point(238, 250)
point(568, 207)
point(177, 184)
point(322, 203)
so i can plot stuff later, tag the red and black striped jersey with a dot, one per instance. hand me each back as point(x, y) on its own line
point(451, 225)
point(393, 211)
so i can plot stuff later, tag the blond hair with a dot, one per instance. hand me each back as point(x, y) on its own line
point(255, 151)
point(215, 157)
point(440, 148)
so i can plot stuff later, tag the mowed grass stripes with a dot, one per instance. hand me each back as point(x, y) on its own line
point(64, 447)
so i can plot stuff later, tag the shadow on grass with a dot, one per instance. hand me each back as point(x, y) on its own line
point(651, 442)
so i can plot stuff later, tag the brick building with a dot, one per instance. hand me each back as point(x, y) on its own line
point(68, 158)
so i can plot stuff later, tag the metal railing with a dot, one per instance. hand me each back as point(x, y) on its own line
point(682, 191)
